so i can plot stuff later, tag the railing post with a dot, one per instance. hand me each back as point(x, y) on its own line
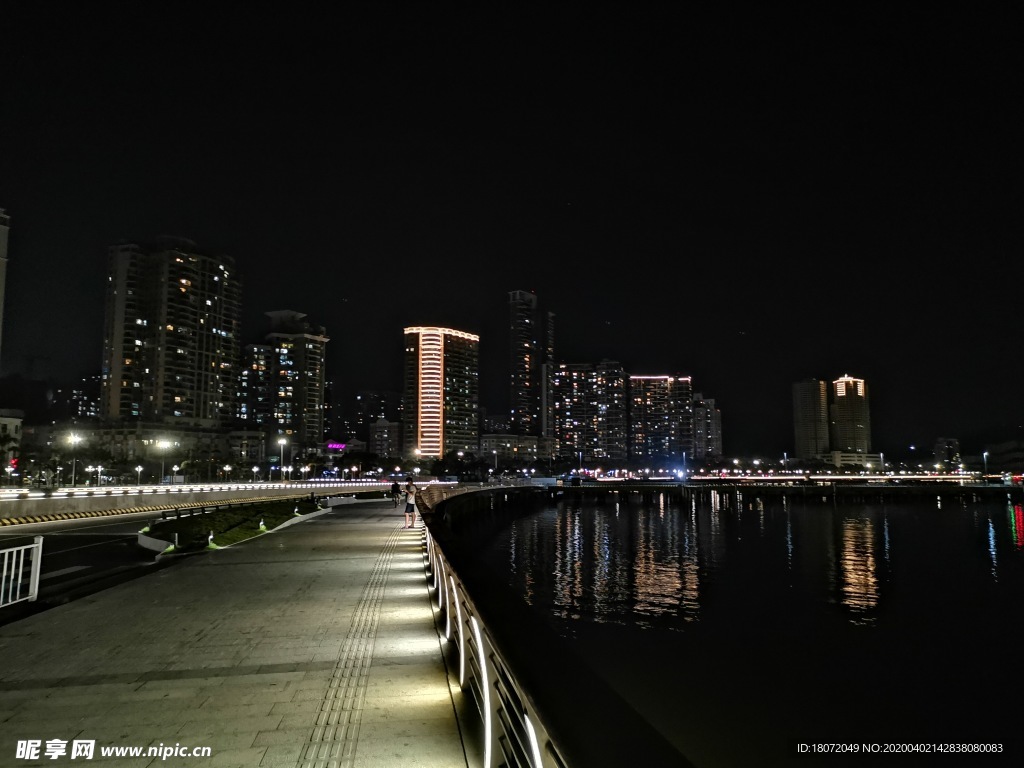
point(37, 564)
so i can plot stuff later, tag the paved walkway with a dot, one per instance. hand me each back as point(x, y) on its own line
point(314, 646)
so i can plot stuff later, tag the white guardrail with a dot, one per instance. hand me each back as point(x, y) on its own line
point(19, 581)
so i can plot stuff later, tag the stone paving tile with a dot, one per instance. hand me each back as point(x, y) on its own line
point(281, 756)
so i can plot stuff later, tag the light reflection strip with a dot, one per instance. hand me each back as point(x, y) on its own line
point(462, 633)
point(534, 746)
point(487, 694)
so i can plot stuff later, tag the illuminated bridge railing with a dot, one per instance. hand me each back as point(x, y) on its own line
point(539, 706)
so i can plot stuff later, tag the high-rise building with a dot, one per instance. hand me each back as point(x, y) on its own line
point(441, 392)
point(5, 228)
point(171, 334)
point(850, 416)
point(661, 418)
point(361, 411)
point(590, 406)
point(385, 438)
point(707, 428)
point(298, 373)
point(947, 453)
point(531, 359)
point(256, 390)
point(810, 419)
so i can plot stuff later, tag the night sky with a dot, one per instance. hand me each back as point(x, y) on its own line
point(749, 203)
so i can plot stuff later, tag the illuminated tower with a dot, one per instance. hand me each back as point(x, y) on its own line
point(661, 418)
point(298, 373)
point(591, 411)
point(707, 428)
point(531, 358)
point(171, 334)
point(441, 394)
point(810, 419)
point(850, 416)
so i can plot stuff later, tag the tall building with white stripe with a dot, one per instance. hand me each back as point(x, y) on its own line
point(441, 393)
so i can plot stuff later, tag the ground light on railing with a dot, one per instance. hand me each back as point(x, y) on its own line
point(487, 694)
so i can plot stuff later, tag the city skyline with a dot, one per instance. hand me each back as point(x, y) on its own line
point(744, 209)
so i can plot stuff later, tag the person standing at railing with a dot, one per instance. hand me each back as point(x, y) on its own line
point(410, 503)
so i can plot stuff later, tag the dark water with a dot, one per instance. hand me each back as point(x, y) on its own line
point(739, 629)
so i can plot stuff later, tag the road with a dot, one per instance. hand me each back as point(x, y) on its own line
point(81, 557)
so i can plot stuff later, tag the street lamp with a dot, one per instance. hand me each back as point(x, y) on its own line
point(495, 459)
point(74, 440)
point(138, 472)
point(354, 469)
point(174, 469)
point(99, 475)
point(255, 471)
point(282, 442)
point(227, 471)
point(984, 457)
point(305, 472)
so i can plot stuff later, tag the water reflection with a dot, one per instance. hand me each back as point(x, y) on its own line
point(859, 570)
point(666, 562)
point(803, 616)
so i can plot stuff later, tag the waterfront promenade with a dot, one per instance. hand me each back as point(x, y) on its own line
point(314, 646)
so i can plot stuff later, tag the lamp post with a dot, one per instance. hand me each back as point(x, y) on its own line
point(984, 457)
point(74, 440)
point(162, 445)
point(255, 471)
point(174, 469)
point(227, 472)
point(282, 442)
point(495, 459)
point(99, 475)
point(138, 472)
point(881, 461)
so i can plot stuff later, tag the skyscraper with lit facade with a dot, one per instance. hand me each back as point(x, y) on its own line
point(591, 416)
point(660, 418)
point(441, 392)
point(707, 428)
point(171, 334)
point(810, 419)
point(850, 416)
point(531, 358)
point(298, 373)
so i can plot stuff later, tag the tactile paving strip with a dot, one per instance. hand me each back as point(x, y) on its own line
point(332, 743)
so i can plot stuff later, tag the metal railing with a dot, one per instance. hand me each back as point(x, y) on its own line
point(525, 687)
point(19, 580)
